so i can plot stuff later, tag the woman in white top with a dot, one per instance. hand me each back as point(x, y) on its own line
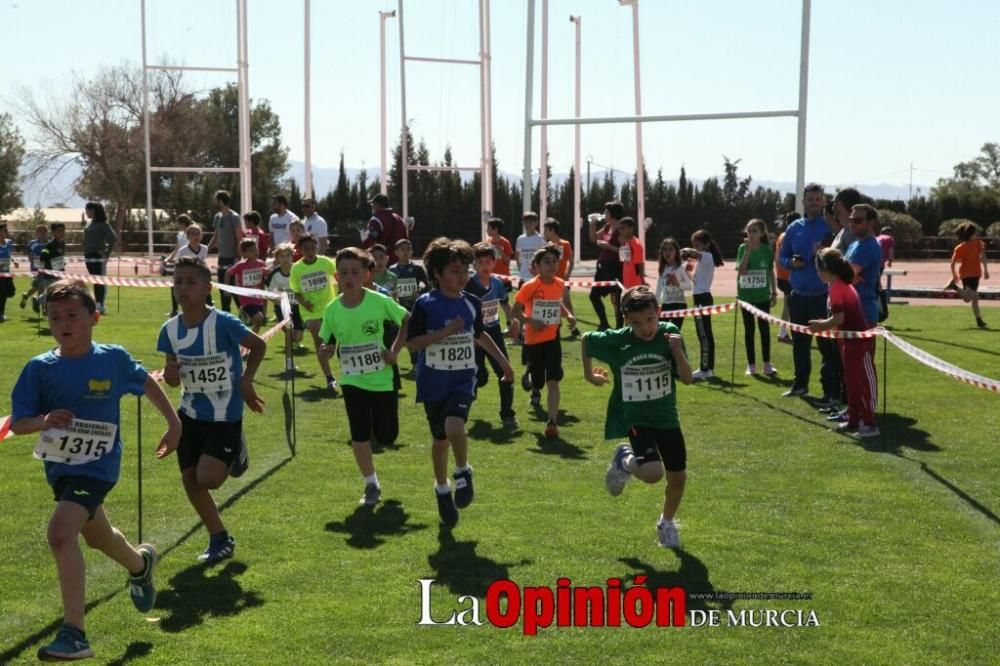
point(673, 281)
point(706, 252)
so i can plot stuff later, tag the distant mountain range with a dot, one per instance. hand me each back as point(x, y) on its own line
point(60, 190)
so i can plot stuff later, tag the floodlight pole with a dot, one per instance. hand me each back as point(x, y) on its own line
point(640, 180)
point(529, 72)
point(543, 160)
point(145, 135)
point(486, 113)
point(246, 194)
point(306, 103)
point(383, 176)
point(800, 154)
point(404, 157)
point(577, 221)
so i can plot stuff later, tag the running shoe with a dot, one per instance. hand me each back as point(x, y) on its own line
point(70, 644)
point(668, 534)
point(331, 384)
point(787, 339)
point(867, 431)
point(447, 509)
point(981, 324)
point(751, 369)
point(218, 550)
point(770, 370)
point(24, 301)
point(701, 375)
point(795, 392)
point(551, 430)
point(510, 422)
point(536, 398)
point(846, 427)
point(141, 587)
point(839, 417)
point(575, 332)
point(464, 492)
point(617, 476)
point(371, 495)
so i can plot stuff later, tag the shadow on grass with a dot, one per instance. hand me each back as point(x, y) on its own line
point(317, 394)
point(541, 414)
point(692, 576)
point(367, 524)
point(16, 650)
point(457, 565)
point(898, 432)
point(949, 343)
point(774, 380)
point(195, 595)
point(558, 447)
point(484, 430)
point(134, 651)
point(964, 496)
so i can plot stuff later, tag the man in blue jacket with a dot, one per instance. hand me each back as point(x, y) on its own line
point(808, 298)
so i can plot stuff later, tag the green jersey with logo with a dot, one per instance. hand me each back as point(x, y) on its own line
point(754, 286)
point(644, 373)
point(359, 331)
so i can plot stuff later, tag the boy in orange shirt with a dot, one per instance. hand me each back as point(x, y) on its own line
point(969, 254)
point(550, 231)
point(631, 254)
point(539, 308)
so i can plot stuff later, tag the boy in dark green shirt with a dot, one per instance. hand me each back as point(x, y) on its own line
point(645, 357)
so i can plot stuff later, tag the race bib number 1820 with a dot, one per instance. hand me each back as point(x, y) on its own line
point(455, 352)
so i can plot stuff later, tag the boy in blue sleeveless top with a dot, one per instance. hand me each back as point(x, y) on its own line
point(202, 347)
point(445, 326)
point(71, 396)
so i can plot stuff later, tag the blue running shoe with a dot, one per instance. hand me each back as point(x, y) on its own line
point(447, 509)
point(463, 488)
point(141, 587)
point(218, 550)
point(617, 476)
point(70, 644)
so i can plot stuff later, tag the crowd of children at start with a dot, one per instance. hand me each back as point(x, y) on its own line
point(364, 312)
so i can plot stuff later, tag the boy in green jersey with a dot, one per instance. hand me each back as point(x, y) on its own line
point(645, 357)
point(313, 279)
point(356, 320)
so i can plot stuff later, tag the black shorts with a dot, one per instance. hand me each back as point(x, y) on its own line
point(219, 439)
point(251, 310)
point(971, 283)
point(652, 444)
point(607, 273)
point(456, 404)
point(371, 413)
point(83, 490)
point(544, 361)
point(297, 323)
point(784, 286)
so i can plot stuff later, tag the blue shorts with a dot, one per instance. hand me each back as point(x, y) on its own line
point(455, 404)
point(83, 490)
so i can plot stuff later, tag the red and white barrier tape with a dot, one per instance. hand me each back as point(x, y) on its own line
point(934, 362)
point(699, 311)
point(571, 283)
point(799, 328)
point(5, 424)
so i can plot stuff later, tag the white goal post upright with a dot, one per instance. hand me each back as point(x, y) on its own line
point(243, 102)
point(485, 168)
point(530, 122)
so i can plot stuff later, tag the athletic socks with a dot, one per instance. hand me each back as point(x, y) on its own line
point(442, 488)
point(463, 468)
point(373, 479)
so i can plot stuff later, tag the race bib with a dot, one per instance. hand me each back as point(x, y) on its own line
point(253, 277)
point(80, 443)
point(315, 282)
point(361, 359)
point(406, 288)
point(641, 383)
point(35, 263)
point(455, 352)
point(491, 314)
point(4, 265)
point(756, 279)
point(671, 292)
point(58, 263)
point(625, 254)
point(546, 311)
point(206, 373)
point(526, 257)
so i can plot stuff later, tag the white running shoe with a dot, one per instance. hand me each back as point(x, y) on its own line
point(867, 431)
point(699, 375)
point(668, 534)
point(751, 369)
point(617, 476)
point(770, 370)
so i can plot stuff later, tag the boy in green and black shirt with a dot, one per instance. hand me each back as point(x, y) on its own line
point(645, 357)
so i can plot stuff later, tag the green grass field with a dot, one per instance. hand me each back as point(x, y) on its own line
point(897, 540)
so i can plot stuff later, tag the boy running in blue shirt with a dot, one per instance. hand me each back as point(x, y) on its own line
point(202, 347)
point(645, 357)
point(492, 293)
point(34, 251)
point(444, 327)
point(71, 396)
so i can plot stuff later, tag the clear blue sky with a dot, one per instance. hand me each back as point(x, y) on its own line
point(891, 81)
